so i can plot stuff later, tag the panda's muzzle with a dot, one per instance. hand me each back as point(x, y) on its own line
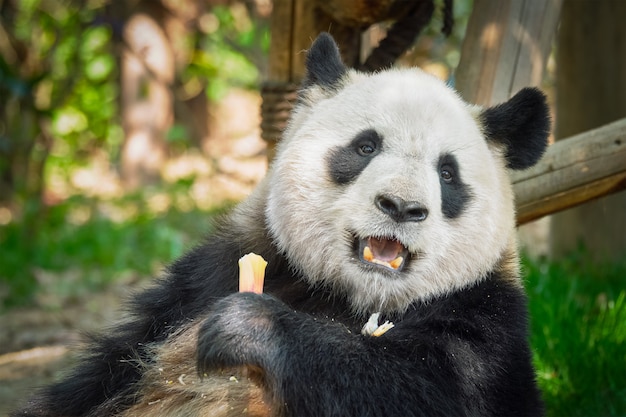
point(388, 253)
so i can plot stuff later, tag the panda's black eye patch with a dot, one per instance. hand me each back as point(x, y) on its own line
point(345, 163)
point(454, 193)
point(367, 143)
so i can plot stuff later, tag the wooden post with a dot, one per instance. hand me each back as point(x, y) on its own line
point(590, 92)
point(294, 25)
point(281, 26)
point(505, 48)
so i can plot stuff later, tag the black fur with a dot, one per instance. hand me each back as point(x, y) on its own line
point(346, 163)
point(462, 354)
point(455, 194)
point(323, 63)
point(522, 125)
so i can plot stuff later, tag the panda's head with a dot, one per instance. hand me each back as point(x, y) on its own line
point(389, 189)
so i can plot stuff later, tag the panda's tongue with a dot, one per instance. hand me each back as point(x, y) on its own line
point(386, 252)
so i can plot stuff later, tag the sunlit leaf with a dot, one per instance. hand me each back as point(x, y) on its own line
point(99, 68)
point(69, 120)
point(97, 37)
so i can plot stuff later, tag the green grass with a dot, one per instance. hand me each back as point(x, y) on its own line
point(578, 312)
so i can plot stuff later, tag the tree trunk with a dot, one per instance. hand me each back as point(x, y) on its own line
point(591, 92)
point(147, 108)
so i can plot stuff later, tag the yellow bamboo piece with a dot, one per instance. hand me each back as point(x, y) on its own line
point(251, 273)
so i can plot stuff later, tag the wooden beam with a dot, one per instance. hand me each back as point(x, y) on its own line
point(574, 170)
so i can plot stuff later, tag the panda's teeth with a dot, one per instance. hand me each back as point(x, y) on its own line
point(395, 264)
point(368, 255)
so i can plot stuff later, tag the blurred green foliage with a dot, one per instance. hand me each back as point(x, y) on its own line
point(61, 64)
point(99, 241)
point(60, 105)
point(231, 52)
point(67, 63)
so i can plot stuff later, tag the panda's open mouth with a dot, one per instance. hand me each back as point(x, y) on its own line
point(384, 252)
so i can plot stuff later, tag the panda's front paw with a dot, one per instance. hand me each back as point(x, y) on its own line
point(241, 330)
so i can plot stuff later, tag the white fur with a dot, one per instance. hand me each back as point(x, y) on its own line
point(420, 119)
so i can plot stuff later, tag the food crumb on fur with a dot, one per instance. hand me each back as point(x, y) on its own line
point(372, 328)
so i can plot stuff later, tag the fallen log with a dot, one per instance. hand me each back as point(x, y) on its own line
point(573, 170)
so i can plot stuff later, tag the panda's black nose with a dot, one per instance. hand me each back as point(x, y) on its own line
point(401, 210)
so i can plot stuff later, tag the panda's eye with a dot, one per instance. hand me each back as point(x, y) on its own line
point(447, 174)
point(366, 149)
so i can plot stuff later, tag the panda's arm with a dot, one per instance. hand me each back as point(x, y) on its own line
point(316, 367)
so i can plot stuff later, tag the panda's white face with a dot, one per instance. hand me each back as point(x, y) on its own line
point(388, 192)
point(389, 189)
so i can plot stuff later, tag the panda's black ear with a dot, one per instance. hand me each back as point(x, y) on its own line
point(324, 66)
point(522, 125)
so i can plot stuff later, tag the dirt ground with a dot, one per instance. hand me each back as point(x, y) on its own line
point(38, 345)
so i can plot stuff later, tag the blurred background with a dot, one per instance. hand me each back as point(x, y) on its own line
point(125, 126)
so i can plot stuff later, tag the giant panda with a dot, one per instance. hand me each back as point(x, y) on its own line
point(388, 201)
